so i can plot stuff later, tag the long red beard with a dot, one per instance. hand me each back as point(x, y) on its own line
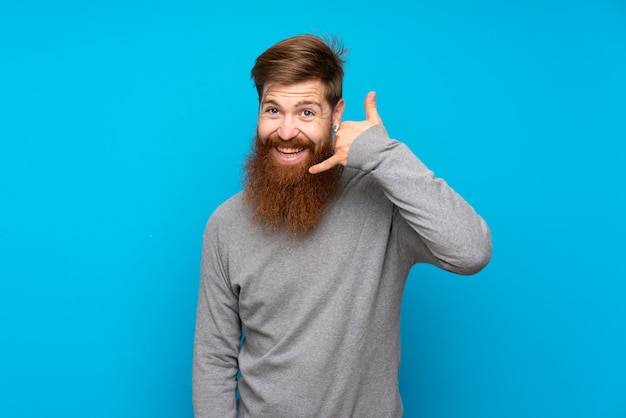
point(288, 195)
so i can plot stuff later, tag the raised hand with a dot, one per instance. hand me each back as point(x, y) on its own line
point(347, 133)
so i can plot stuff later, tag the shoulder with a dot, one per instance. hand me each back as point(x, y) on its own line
point(233, 207)
point(231, 212)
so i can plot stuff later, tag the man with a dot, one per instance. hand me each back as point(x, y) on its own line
point(310, 260)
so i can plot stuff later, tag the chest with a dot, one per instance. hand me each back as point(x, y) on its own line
point(281, 278)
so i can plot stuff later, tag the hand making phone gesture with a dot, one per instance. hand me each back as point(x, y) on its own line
point(347, 133)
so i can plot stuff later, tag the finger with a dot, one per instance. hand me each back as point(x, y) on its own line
point(371, 113)
point(324, 165)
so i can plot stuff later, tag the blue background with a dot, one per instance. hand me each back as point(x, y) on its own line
point(124, 124)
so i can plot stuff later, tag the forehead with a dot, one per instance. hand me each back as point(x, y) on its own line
point(304, 92)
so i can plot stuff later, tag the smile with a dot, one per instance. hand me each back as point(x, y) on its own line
point(290, 155)
point(289, 152)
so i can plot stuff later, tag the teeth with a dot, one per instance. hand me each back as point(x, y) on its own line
point(289, 150)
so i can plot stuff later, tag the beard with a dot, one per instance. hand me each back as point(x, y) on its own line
point(285, 195)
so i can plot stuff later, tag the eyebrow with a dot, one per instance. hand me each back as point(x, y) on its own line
point(308, 103)
point(269, 101)
point(298, 104)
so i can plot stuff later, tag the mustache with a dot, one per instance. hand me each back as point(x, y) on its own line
point(276, 141)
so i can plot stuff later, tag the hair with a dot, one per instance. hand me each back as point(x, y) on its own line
point(302, 58)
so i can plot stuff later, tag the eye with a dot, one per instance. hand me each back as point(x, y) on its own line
point(271, 111)
point(307, 113)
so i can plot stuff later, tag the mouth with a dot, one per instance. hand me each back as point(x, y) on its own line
point(289, 153)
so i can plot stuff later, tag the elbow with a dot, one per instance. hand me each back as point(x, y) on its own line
point(472, 258)
point(476, 263)
point(477, 256)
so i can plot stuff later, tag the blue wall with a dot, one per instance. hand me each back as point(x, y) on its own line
point(124, 124)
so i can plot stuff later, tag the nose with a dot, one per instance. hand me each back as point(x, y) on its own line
point(288, 129)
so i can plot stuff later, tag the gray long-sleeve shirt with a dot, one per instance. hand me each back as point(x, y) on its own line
point(321, 312)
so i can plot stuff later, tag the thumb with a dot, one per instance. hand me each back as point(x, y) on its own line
point(371, 113)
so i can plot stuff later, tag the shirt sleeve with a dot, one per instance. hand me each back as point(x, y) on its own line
point(217, 335)
point(443, 229)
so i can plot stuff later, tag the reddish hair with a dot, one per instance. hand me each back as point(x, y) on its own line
point(302, 58)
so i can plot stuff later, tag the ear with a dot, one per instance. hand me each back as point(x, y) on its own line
point(338, 112)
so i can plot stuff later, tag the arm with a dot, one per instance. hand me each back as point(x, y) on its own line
point(218, 332)
point(445, 229)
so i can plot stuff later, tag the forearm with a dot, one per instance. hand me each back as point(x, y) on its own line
point(214, 372)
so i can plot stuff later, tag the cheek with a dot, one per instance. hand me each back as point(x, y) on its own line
point(319, 136)
point(265, 128)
